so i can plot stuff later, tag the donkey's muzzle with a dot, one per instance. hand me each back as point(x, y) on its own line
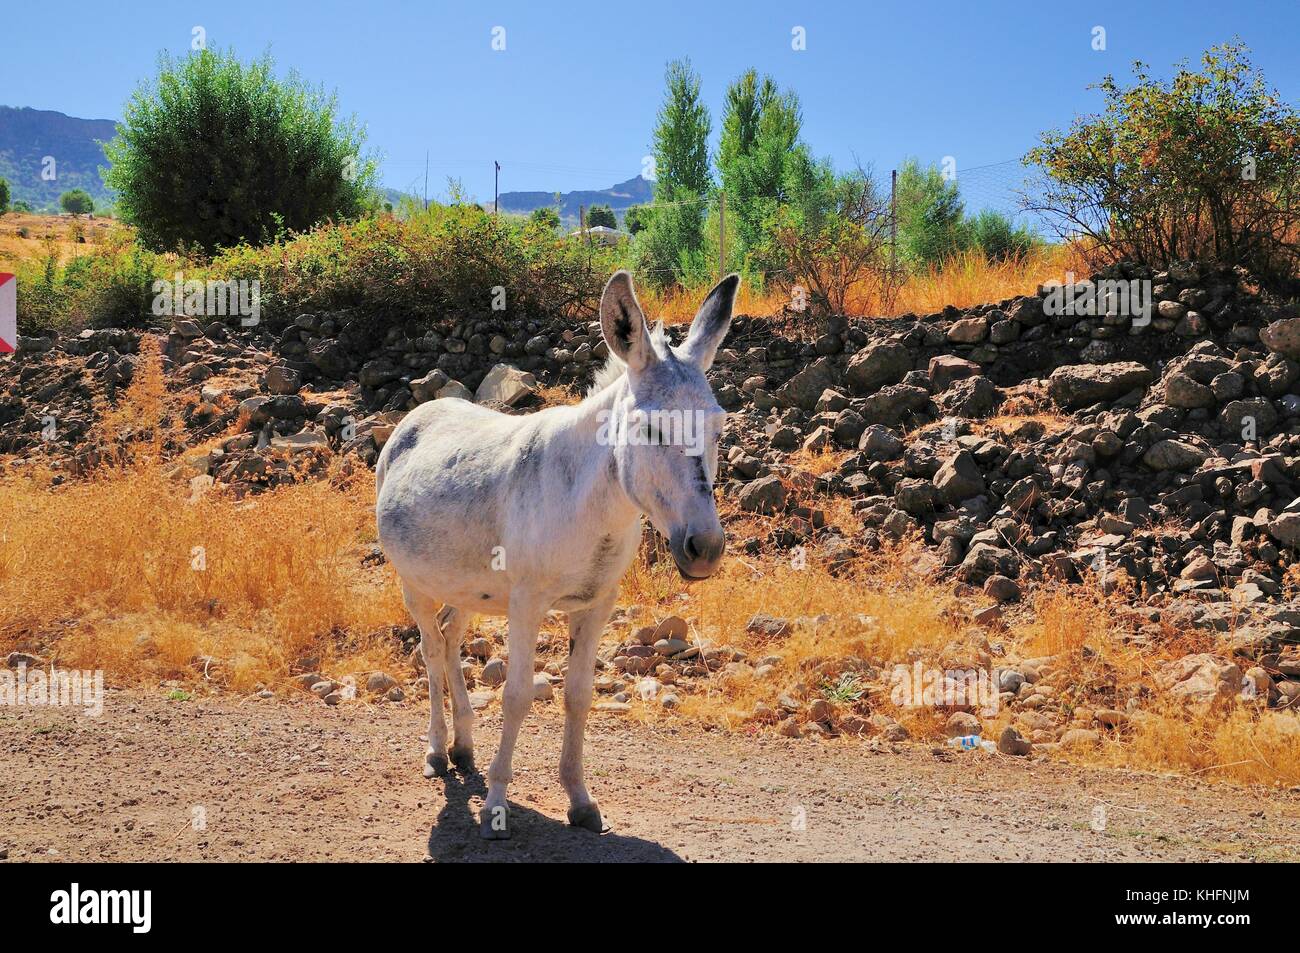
point(698, 554)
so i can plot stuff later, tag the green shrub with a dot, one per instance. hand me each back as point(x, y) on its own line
point(1206, 165)
point(111, 286)
point(4, 196)
point(443, 264)
point(998, 237)
point(77, 202)
point(931, 227)
point(215, 152)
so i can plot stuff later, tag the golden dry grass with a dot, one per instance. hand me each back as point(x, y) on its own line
point(46, 233)
point(968, 279)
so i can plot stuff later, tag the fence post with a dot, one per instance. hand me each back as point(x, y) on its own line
point(722, 234)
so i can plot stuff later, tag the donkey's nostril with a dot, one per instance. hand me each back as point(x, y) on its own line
point(692, 550)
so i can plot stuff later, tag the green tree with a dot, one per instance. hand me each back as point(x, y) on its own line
point(930, 216)
point(760, 132)
point(546, 216)
point(214, 152)
point(671, 246)
point(636, 218)
point(4, 196)
point(77, 201)
point(601, 215)
point(1206, 165)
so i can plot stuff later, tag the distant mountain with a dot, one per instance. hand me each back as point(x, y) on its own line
point(28, 136)
point(619, 197)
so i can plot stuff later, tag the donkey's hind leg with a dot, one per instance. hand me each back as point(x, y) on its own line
point(452, 621)
point(433, 647)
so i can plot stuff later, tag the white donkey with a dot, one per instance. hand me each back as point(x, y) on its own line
point(516, 515)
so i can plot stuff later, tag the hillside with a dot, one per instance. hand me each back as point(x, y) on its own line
point(620, 197)
point(28, 136)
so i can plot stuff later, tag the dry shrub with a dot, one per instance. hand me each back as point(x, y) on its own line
point(88, 569)
point(132, 571)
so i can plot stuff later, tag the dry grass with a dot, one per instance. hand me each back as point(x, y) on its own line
point(967, 280)
point(46, 233)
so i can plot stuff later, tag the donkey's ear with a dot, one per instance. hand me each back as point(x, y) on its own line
point(711, 323)
point(623, 324)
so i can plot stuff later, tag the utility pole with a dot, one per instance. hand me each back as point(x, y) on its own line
point(722, 234)
point(893, 224)
point(496, 189)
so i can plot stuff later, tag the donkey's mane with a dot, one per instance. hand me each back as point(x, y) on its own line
point(614, 367)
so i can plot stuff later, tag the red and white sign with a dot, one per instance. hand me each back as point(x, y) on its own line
point(8, 314)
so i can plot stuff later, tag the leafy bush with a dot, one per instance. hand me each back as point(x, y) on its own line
point(108, 287)
point(4, 196)
point(441, 264)
point(931, 225)
point(998, 237)
point(1204, 166)
point(214, 152)
point(77, 202)
point(545, 217)
point(830, 237)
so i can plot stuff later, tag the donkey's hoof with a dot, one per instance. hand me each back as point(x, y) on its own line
point(494, 823)
point(587, 816)
point(463, 759)
point(435, 765)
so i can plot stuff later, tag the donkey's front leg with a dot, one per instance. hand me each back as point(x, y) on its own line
point(526, 613)
point(584, 638)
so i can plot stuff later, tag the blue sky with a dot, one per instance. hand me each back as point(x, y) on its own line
point(570, 102)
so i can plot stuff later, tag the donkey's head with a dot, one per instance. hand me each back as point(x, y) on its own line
point(667, 423)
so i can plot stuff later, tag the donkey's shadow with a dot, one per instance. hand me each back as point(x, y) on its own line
point(454, 837)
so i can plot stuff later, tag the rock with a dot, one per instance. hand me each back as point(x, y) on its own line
point(1013, 743)
point(961, 723)
point(946, 369)
point(1080, 385)
point(1002, 589)
point(305, 441)
point(1182, 391)
point(876, 365)
point(380, 682)
point(14, 659)
point(494, 672)
point(983, 560)
point(972, 397)
point(1176, 455)
point(1080, 738)
point(1201, 679)
point(542, 690)
point(1283, 337)
point(770, 627)
point(454, 389)
point(969, 330)
point(479, 648)
point(764, 495)
point(506, 385)
point(1285, 528)
point(880, 443)
point(280, 379)
point(959, 478)
point(426, 388)
point(804, 389)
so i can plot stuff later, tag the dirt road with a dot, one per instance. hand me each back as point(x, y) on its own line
point(218, 779)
